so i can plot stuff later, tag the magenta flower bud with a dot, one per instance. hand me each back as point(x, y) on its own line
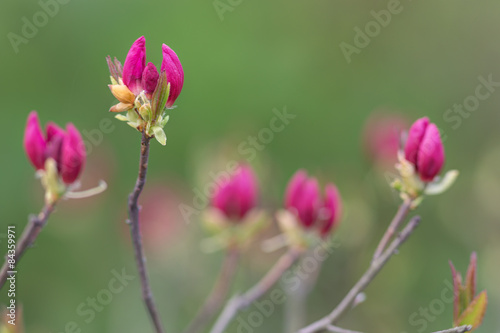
point(150, 78)
point(309, 204)
point(171, 65)
point(415, 136)
point(134, 65)
point(236, 196)
point(332, 209)
point(302, 198)
point(53, 149)
point(73, 155)
point(294, 188)
point(34, 142)
point(424, 149)
point(55, 137)
point(53, 130)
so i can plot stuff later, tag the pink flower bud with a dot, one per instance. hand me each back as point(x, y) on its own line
point(238, 195)
point(332, 209)
point(294, 189)
point(55, 137)
point(73, 155)
point(302, 198)
point(54, 130)
point(66, 148)
point(150, 78)
point(424, 149)
point(134, 65)
point(415, 136)
point(309, 204)
point(171, 65)
point(53, 149)
point(34, 142)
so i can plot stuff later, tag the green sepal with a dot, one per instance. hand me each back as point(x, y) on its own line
point(159, 135)
point(160, 96)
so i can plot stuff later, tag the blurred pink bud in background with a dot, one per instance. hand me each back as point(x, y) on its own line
point(303, 198)
point(381, 137)
point(236, 196)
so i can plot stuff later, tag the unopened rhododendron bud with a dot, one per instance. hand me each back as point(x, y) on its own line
point(424, 149)
point(332, 209)
point(236, 196)
point(134, 65)
point(304, 200)
point(144, 92)
point(175, 74)
point(66, 148)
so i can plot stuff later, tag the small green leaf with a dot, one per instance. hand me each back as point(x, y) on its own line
point(160, 135)
point(474, 313)
point(164, 121)
point(121, 117)
point(470, 278)
point(132, 115)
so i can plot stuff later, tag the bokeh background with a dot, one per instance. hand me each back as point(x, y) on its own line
point(239, 65)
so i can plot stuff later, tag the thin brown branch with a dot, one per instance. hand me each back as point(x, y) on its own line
point(219, 293)
point(401, 214)
point(240, 302)
point(375, 267)
point(28, 237)
point(460, 329)
point(337, 329)
point(133, 221)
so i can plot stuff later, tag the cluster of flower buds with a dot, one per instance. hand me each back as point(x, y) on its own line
point(58, 155)
point(143, 92)
point(308, 213)
point(421, 162)
point(233, 216)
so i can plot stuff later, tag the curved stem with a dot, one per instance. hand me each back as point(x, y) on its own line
point(375, 267)
point(403, 210)
point(240, 302)
point(219, 292)
point(133, 221)
point(28, 237)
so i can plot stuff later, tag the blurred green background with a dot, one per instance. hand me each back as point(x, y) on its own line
point(260, 56)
